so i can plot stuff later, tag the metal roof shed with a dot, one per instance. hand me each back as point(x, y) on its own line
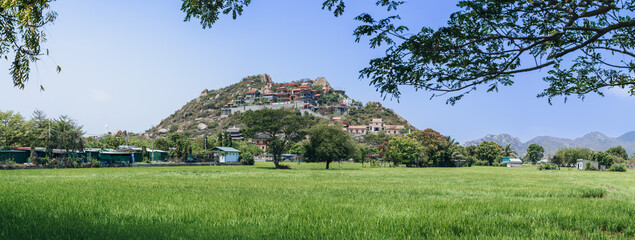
point(18, 156)
point(227, 154)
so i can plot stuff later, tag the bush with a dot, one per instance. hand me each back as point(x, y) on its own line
point(617, 168)
point(45, 161)
point(480, 163)
point(94, 162)
point(588, 167)
point(470, 160)
point(55, 162)
point(246, 158)
point(548, 166)
point(9, 162)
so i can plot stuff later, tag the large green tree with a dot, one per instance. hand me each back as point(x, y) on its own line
point(66, 134)
point(280, 126)
point(603, 158)
point(329, 143)
point(487, 43)
point(535, 152)
point(22, 32)
point(489, 151)
point(12, 129)
point(450, 150)
point(571, 155)
point(618, 151)
point(509, 151)
point(433, 144)
point(404, 150)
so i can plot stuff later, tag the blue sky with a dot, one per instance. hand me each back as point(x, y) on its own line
point(129, 64)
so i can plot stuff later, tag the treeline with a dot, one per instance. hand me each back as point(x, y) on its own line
point(40, 131)
point(178, 146)
point(609, 158)
point(66, 134)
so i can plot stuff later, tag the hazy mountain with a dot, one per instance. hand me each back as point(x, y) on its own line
point(595, 140)
point(627, 137)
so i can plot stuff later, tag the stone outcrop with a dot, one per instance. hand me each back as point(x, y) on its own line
point(322, 83)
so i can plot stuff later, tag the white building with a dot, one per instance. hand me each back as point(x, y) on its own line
point(512, 162)
point(581, 164)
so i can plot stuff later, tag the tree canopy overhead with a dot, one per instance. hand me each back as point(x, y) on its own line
point(21, 34)
point(487, 43)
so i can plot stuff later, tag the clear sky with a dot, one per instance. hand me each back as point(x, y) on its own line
point(130, 64)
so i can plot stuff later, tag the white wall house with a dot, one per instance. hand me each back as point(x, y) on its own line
point(581, 164)
point(512, 162)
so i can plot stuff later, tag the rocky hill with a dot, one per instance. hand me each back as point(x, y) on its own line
point(594, 140)
point(202, 115)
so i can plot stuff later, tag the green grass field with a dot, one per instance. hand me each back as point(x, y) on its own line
point(307, 202)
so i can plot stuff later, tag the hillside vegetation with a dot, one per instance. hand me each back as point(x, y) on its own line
point(202, 115)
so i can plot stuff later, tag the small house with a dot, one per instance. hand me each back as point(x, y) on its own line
point(512, 162)
point(227, 154)
point(581, 164)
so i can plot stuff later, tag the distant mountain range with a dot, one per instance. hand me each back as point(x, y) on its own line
point(595, 140)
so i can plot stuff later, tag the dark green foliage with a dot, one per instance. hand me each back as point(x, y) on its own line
point(509, 151)
point(432, 143)
point(182, 146)
point(208, 11)
point(93, 162)
point(618, 151)
point(558, 160)
point(548, 166)
point(298, 148)
point(203, 155)
point(161, 144)
point(327, 144)
point(282, 127)
point(247, 158)
point(328, 98)
point(373, 110)
point(485, 44)
point(617, 168)
point(247, 147)
point(489, 152)
point(535, 152)
point(571, 155)
point(406, 150)
point(375, 139)
point(603, 158)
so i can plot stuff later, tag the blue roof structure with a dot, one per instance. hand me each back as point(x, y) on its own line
point(226, 149)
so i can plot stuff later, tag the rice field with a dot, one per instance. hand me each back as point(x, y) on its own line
point(308, 202)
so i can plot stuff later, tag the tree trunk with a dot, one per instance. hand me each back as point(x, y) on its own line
point(327, 164)
point(275, 161)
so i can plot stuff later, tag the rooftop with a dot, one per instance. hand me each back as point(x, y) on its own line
point(226, 149)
